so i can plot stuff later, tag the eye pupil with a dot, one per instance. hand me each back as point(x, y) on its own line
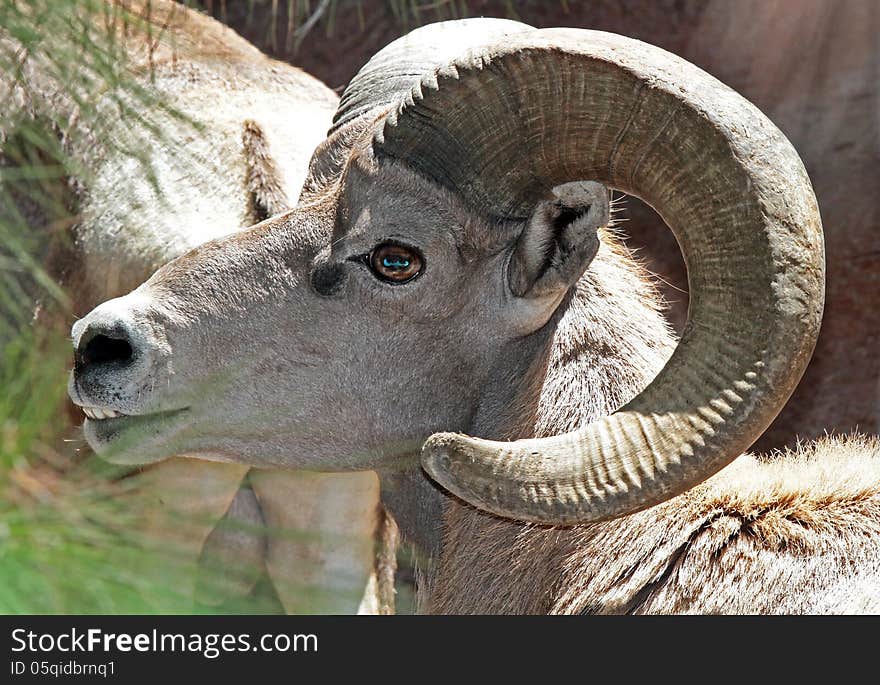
point(395, 263)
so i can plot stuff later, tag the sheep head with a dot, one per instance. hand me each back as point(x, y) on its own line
point(421, 279)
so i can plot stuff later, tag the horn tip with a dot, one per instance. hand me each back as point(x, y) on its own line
point(440, 453)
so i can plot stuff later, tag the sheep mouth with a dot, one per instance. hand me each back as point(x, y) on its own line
point(131, 438)
point(101, 413)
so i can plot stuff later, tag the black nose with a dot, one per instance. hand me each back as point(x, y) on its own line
point(103, 345)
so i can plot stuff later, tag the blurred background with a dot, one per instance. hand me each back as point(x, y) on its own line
point(813, 66)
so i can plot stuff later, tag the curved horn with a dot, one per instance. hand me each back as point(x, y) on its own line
point(395, 69)
point(504, 125)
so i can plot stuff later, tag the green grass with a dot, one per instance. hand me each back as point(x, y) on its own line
point(71, 539)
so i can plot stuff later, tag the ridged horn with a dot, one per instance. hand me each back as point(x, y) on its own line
point(503, 125)
point(393, 71)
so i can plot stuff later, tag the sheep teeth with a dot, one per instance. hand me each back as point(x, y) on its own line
point(99, 414)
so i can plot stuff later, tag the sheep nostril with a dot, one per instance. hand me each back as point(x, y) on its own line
point(103, 349)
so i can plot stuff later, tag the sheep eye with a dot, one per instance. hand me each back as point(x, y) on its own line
point(395, 263)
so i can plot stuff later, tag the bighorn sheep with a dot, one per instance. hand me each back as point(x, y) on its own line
point(235, 163)
point(449, 269)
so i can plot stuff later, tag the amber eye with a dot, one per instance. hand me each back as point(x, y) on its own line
point(395, 263)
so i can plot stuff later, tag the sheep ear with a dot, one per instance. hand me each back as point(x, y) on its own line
point(265, 183)
point(559, 241)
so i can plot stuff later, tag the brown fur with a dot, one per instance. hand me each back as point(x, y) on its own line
point(796, 533)
point(784, 536)
point(160, 31)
